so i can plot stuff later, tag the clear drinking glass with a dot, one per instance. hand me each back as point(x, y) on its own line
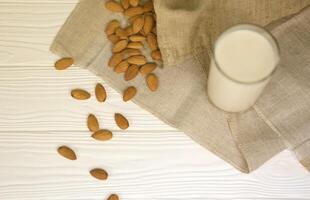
point(244, 58)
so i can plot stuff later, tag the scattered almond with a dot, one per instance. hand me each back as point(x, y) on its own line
point(156, 55)
point(152, 41)
point(135, 45)
point(102, 135)
point(66, 152)
point(138, 24)
point(99, 174)
point(114, 6)
point(148, 24)
point(100, 92)
point(113, 38)
point(137, 60)
point(152, 82)
point(131, 72)
point(64, 63)
point(130, 52)
point(129, 93)
point(92, 123)
point(125, 3)
point(121, 121)
point(80, 94)
point(137, 38)
point(115, 59)
point(130, 12)
point(134, 2)
point(121, 67)
point(113, 197)
point(112, 26)
point(148, 6)
point(148, 68)
point(119, 46)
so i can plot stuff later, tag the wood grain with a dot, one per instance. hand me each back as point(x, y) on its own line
point(149, 161)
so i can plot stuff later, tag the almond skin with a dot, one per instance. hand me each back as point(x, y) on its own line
point(137, 38)
point(129, 93)
point(102, 135)
point(152, 41)
point(80, 94)
point(119, 46)
point(92, 123)
point(148, 6)
point(148, 24)
point(148, 68)
point(67, 152)
point(152, 82)
point(121, 121)
point(137, 60)
point(114, 6)
point(100, 92)
point(135, 45)
point(125, 4)
point(112, 26)
point(138, 24)
point(115, 59)
point(156, 55)
point(121, 67)
point(131, 72)
point(63, 63)
point(133, 11)
point(99, 174)
point(134, 2)
point(113, 197)
point(114, 38)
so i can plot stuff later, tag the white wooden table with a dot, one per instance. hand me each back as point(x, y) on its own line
point(149, 161)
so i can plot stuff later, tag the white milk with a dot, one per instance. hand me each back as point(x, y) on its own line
point(244, 58)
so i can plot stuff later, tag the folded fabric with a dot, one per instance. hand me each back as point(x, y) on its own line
point(186, 31)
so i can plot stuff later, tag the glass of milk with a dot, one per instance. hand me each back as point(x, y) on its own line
point(244, 58)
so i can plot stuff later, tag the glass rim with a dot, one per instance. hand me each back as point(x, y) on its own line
point(268, 35)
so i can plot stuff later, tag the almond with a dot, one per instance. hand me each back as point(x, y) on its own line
point(152, 82)
point(80, 94)
point(148, 6)
point(121, 121)
point(99, 174)
point(100, 92)
point(121, 67)
point(129, 93)
point(142, 32)
point(156, 55)
point(134, 2)
point(152, 41)
point(64, 63)
point(121, 33)
point(130, 12)
point(112, 26)
point(137, 38)
point(113, 6)
point(130, 52)
point(113, 197)
point(135, 45)
point(125, 3)
point(66, 152)
point(119, 46)
point(154, 30)
point(131, 72)
point(113, 38)
point(137, 60)
point(102, 135)
point(131, 19)
point(129, 31)
point(92, 123)
point(115, 59)
point(148, 24)
point(148, 68)
point(138, 24)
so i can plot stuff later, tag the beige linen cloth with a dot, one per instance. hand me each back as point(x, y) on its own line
point(186, 30)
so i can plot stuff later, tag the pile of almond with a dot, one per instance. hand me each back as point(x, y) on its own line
point(128, 58)
point(131, 41)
